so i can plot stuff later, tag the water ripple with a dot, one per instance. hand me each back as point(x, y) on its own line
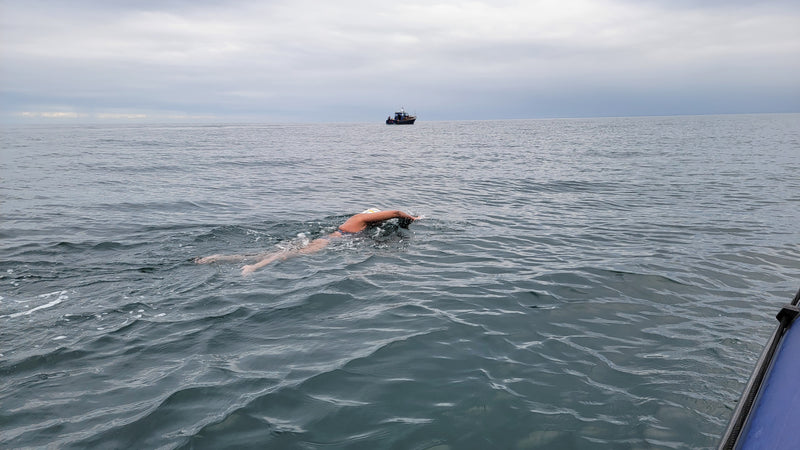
point(586, 283)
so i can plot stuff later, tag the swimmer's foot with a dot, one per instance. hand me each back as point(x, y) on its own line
point(208, 259)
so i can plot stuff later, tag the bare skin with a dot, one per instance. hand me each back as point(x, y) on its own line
point(355, 224)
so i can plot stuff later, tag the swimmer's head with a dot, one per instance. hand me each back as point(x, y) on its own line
point(370, 211)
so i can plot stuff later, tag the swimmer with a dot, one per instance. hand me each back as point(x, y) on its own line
point(353, 225)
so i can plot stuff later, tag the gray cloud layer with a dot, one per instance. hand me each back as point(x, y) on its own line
point(358, 60)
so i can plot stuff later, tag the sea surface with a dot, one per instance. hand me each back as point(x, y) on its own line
point(574, 284)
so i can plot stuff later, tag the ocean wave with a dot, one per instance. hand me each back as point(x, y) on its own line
point(596, 283)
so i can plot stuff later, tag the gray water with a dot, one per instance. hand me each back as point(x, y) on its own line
point(582, 283)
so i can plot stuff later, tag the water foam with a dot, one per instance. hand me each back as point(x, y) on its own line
point(61, 296)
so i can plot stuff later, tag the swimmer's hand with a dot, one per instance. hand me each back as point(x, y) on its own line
point(248, 270)
point(404, 222)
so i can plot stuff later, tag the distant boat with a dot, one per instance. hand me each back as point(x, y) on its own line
point(401, 118)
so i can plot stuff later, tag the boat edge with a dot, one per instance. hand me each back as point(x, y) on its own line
point(739, 418)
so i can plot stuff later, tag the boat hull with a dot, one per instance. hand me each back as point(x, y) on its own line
point(400, 122)
point(763, 417)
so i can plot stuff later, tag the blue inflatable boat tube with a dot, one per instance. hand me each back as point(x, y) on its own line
point(765, 416)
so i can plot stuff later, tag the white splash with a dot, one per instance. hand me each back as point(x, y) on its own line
point(62, 295)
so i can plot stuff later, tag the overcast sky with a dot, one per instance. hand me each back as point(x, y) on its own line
point(346, 60)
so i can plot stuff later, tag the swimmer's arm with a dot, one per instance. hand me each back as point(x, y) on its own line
point(315, 246)
point(361, 221)
point(380, 216)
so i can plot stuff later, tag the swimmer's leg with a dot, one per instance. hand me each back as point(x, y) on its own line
point(315, 246)
point(218, 257)
point(250, 268)
point(228, 258)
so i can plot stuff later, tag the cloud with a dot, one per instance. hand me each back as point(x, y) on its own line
point(299, 60)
